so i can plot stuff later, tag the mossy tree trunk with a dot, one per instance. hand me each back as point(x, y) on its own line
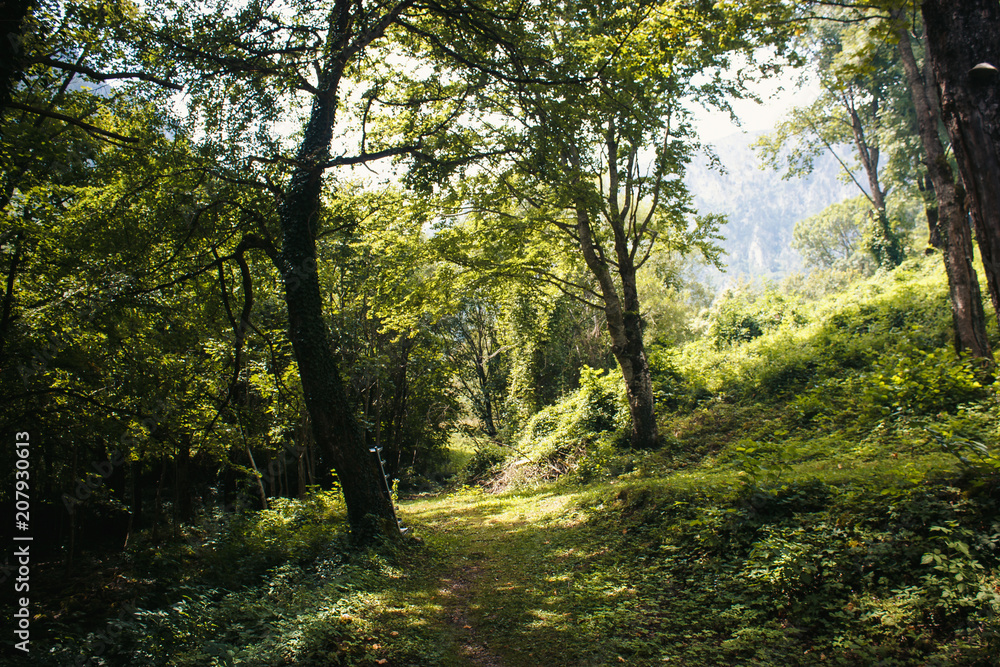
point(335, 430)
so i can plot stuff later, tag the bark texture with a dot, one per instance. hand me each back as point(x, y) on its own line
point(336, 432)
point(961, 35)
point(954, 237)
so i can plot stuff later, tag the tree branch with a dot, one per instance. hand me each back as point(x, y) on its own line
point(99, 76)
point(97, 132)
point(370, 157)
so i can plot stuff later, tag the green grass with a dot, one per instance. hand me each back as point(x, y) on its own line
point(459, 450)
point(820, 500)
point(851, 552)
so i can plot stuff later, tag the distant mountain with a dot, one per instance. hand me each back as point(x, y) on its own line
point(762, 209)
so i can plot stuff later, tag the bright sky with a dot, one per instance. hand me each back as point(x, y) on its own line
point(778, 97)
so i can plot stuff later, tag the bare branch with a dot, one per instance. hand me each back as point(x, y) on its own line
point(370, 157)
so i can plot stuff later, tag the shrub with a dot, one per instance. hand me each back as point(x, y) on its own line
point(807, 344)
point(917, 381)
point(598, 406)
point(486, 459)
point(743, 314)
point(672, 389)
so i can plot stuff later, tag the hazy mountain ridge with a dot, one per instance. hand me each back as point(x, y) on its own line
point(761, 207)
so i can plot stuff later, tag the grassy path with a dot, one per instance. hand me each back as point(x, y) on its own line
point(505, 583)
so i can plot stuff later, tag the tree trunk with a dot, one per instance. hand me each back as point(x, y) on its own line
point(397, 413)
point(884, 245)
point(182, 481)
point(369, 507)
point(956, 239)
point(630, 352)
point(158, 500)
point(961, 35)
point(300, 468)
point(625, 328)
point(484, 383)
point(929, 195)
point(258, 478)
point(135, 514)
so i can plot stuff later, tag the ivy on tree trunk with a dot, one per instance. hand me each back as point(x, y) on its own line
point(335, 430)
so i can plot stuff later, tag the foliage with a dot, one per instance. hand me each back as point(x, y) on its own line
point(597, 407)
point(831, 238)
point(673, 299)
point(827, 491)
point(834, 338)
point(864, 104)
point(672, 388)
point(743, 313)
point(389, 300)
point(580, 432)
point(486, 460)
point(808, 567)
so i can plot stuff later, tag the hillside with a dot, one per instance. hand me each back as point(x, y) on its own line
point(824, 497)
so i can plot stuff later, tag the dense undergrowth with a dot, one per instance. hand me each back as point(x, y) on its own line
point(827, 491)
point(826, 494)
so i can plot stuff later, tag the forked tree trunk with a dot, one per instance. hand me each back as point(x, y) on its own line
point(961, 35)
point(624, 322)
point(369, 507)
point(955, 236)
point(885, 246)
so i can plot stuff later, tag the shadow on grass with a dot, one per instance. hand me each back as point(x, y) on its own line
point(529, 577)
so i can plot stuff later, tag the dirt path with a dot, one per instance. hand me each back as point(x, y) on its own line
point(507, 574)
point(458, 593)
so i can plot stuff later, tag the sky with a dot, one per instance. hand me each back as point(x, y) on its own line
point(778, 96)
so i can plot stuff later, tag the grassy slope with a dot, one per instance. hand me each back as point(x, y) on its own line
point(807, 514)
point(801, 514)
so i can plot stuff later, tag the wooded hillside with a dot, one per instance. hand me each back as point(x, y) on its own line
point(378, 333)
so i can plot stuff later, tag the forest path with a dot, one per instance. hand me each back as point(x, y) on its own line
point(509, 577)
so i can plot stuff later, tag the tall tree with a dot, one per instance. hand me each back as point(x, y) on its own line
point(948, 211)
point(350, 29)
point(859, 77)
point(964, 51)
point(332, 64)
point(479, 359)
point(603, 146)
point(831, 237)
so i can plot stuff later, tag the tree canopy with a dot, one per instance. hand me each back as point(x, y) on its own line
point(283, 244)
